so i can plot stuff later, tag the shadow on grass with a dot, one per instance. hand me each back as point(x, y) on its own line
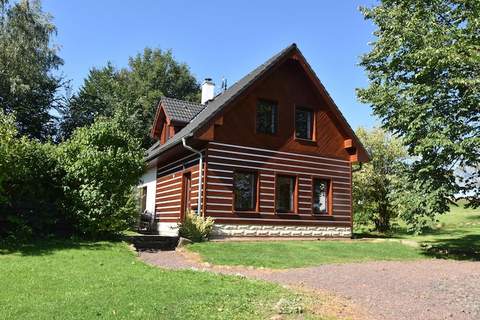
point(466, 247)
point(46, 247)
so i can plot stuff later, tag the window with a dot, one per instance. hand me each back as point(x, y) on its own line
point(143, 199)
point(266, 117)
point(284, 194)
point(303, 123)
point(245, 190)
point(320, 195)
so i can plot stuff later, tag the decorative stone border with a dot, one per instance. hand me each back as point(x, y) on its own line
point(253, 230)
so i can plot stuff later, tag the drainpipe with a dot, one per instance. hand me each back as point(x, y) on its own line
point(200, 173)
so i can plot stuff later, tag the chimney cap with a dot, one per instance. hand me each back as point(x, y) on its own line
point(208, 79)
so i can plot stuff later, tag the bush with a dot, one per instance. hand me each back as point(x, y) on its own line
point(102, 165)
point(195, 227)
point(30, 190)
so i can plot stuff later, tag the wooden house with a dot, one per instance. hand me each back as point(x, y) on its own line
point(275, 155)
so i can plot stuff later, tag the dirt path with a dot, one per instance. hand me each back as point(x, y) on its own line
point(426, 290)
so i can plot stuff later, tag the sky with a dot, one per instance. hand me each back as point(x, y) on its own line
point(221, 38)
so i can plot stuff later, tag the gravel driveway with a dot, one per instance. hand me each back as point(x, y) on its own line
point(426, 290)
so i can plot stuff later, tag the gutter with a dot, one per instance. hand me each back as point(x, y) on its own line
point(200, 172)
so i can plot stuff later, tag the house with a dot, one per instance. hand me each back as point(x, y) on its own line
point(275, 151)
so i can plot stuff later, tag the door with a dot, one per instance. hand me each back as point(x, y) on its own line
point(186, 194)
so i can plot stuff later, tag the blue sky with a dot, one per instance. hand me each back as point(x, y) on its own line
point(220, 38)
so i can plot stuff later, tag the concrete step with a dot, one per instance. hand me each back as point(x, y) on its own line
point(153, 242)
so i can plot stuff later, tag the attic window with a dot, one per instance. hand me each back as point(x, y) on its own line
point(266, 117)
point(303, 123)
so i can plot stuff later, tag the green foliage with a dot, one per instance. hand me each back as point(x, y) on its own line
point(30, 189)
point(424, 71)
point(375, 182)
point(195, 227)
point(102, 164)
point(132, 92)
point(97, 97)
point(28, 86)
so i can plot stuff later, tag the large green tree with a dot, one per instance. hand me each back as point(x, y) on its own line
point(28, 61)
point(133, 91)
point(424, 74)
point(375, 183)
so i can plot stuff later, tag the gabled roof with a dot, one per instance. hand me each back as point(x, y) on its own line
point(179, 110)
point(215, 106)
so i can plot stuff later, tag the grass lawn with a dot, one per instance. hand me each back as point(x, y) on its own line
point(104, 280)
point(292, 254)
point(456, 236)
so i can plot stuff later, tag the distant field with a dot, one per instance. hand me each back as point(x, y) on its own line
point(456, 235)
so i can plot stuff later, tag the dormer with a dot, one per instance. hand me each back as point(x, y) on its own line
point(172, 115)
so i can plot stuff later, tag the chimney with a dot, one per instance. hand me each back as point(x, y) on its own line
point(208, 90)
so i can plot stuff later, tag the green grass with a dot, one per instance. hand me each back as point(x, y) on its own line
point(292, 254)
point(456, 235)
point(104, 280)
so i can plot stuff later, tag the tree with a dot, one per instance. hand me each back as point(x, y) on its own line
point(375, 182)
point(99, 96)
point(424, 69)
point(28, 87)
point(102, 164)
point(133, 91)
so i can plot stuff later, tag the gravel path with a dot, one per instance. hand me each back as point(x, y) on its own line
point(423, 290)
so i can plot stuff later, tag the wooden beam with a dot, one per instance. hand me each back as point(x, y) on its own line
point(219, 121)
point(348, 143)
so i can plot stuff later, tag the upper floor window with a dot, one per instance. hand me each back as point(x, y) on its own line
point(321, 191)
point(266, 117)
point(285, 193)
point(303, 123)
point(245, 190)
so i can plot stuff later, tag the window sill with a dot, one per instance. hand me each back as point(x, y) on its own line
point(245, 211)
point(322, 214)
point(306, 141)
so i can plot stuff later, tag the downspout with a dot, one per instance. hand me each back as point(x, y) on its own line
point(200, 173)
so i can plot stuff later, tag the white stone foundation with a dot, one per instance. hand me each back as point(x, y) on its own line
point(169, 229)
point(253, 230)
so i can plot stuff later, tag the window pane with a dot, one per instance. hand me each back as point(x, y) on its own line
point(320, 196)
point(285, 192)
point(303, 123)
point(143, 199)
point(266, 117)
point(244, 184)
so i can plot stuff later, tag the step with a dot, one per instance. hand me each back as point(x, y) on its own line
point(145, 242)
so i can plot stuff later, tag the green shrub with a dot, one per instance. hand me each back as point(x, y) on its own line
point(30, 185)
point(195, 227)
point(102, 165)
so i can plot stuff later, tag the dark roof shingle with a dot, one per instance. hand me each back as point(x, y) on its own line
point(179, 110)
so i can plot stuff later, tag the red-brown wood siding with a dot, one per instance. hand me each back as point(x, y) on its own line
point(289, 87)
point(224, 159)
point(169, 188)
